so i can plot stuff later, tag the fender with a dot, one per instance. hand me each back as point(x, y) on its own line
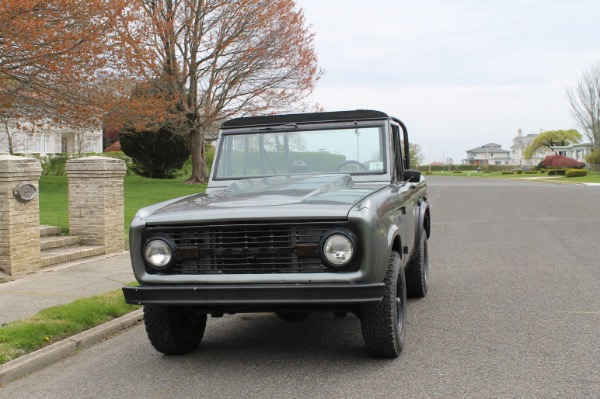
point(424, 222)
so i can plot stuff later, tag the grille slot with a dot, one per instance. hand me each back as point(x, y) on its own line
point(249, 249)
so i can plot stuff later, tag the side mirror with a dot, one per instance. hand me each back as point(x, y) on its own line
point(412, 176)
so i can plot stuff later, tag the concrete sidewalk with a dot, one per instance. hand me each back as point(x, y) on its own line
point(27, 295)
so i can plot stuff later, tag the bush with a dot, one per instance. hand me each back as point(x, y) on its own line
point(594, 159)
point(576, 173)
point(557, 172)
point(53, 164)
point(156, 154)
point(121, 155)
point(519, 171)
point(508, 172)
point(560, 161)
point(531, 172)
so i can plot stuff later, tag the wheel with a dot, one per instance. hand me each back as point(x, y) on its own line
point(293, 317)
point(383, 323)
point(417, 272)
point(360, 165)
point(174, 330)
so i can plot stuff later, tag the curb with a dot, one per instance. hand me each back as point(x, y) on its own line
point(41, 358)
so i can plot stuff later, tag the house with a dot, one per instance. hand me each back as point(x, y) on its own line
point(520, 144)
point(576, 151)
point(488, 154)
point(24, 138)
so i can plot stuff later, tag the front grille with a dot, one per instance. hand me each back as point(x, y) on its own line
point(250, 248)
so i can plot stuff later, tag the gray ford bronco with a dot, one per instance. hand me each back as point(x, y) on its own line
point(303, 213)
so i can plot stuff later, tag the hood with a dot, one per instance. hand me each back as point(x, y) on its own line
point(279, 197)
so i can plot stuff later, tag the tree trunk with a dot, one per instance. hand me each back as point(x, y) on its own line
point(198, 165)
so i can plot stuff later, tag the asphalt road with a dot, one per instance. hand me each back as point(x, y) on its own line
point(513, 312)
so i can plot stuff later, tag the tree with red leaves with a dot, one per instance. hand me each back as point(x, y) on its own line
point(216, 59)
point(560, 161)
point(50, 56)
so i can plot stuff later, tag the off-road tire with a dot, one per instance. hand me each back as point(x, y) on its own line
point(417, 272)
point(174, 330)
point(383, 323)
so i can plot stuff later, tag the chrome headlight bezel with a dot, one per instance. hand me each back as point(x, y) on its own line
point(161, 245)
point(339, 249)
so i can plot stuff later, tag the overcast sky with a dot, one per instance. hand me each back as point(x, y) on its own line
point(459, 73)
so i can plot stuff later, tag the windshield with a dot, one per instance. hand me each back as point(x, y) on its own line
point(349, 151)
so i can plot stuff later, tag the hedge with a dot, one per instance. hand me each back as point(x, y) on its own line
point(557, 172)
point(576, 173)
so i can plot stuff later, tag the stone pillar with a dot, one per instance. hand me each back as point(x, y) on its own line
point(96, 201)
point(19, 214)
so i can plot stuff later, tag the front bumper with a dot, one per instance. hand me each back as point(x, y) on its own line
point(256, 296)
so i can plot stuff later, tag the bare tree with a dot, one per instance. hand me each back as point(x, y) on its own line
point(584, 98)
point(221, 58)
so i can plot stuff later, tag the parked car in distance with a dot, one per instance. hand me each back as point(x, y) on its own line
point(303, 213)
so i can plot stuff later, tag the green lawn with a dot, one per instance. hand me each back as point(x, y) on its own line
point(20, 337)
point(592, 177)
point(139, 192)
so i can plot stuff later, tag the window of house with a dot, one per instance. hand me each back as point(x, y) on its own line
point(91, 144)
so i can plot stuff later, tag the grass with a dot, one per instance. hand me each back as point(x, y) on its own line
point(59, 322)
point(592, 177)
point(139, 192)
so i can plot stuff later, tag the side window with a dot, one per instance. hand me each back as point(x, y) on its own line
point(397, 153)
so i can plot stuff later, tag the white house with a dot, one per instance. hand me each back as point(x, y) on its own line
point(488, 154)
point(520, 144)
point(47, 139)
point(575, 151)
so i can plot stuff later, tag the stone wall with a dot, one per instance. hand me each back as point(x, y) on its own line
point(19, 214)
point(96, 201)
point(96, 208)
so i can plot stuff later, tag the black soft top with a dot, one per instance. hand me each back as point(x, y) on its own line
point(338, 116)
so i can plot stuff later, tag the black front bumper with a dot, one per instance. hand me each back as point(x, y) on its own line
point(255, 296)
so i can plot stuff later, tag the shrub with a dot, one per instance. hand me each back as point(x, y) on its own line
point(114, 147)
point(157, 154)
point(508, 172)
point(531, 172)
point(557, 172)
point(121, 155)
point(576, 173)
point(53, 164)
point(519, 171)
point(542, 170)
point(560, 161)
point(594, 159)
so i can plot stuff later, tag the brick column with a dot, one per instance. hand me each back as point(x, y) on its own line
point(19, 214)
point(96, 201)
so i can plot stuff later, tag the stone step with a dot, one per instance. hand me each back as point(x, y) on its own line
point(49, 242)
point(54, 256)
point(46, 230)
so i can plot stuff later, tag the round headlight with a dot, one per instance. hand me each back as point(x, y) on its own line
point(338, 249)
point(159, 253)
